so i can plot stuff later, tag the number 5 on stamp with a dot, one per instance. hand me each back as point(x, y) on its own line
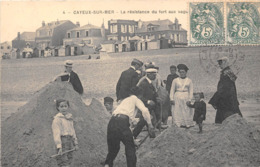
point(206, 23)
point(243, 23)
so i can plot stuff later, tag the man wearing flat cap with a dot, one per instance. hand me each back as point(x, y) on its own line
point(128, 79)
point(225, 99)
point(72, 77)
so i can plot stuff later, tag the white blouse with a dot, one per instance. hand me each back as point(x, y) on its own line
point(181, 85)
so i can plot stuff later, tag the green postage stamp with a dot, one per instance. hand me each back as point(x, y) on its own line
point(206, 23)
point(243, 23)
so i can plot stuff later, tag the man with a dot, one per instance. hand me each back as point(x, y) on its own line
point(127, 80)
point(108, 103)
point(225, 99)
point(149, 98)
point(119, 128)
point(71, 77)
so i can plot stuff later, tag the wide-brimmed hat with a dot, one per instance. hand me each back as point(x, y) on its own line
point(182, 67)
point(68, 63)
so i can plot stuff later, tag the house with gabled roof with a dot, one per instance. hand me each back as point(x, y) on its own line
point(51, 35)
point(162, 30)
point(84, 39)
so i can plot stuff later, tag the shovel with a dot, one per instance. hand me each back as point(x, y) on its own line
point(53, 156)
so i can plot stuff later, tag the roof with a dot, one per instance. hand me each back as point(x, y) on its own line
point(6, 43)
point(86, 27)
point(109, 42)
point(161, 24)
point(27, 36)
point(52, 24)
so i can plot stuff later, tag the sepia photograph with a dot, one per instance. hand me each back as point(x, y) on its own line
point(130, 83)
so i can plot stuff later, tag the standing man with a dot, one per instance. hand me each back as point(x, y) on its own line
point(128, 79)
point(149, 98)
point(72, 77)
point(119, 128)
point(225, 99)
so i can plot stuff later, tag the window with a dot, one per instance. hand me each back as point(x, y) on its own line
point(68, 35)
point(86, 33)
point(113, 28)
point(2, 47)
point(77, 34)
point(178, 37)
point(50, 33)
point(8, 47)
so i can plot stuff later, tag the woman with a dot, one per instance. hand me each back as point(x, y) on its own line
point(181, 92)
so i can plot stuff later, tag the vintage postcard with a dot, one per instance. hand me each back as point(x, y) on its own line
point(130, 83)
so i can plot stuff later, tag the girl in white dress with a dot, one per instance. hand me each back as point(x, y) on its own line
point(181, 92)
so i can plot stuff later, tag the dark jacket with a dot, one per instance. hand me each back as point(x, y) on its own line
point(225, 99)
point(74, 80)
point(200, 110)
point(149, 93)
point(127, 80)
point(170, 78)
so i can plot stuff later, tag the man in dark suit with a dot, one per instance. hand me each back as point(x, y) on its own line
point(128, 79)
point(72, 77)
point(149, 98)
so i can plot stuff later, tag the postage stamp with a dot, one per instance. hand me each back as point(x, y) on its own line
point(243, 23)
point(209, 56)
point(206, 23)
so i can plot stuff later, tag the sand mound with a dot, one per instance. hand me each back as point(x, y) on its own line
point(234, 143)
point(27, 135)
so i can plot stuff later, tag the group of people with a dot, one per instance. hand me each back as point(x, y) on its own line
point(139, 98)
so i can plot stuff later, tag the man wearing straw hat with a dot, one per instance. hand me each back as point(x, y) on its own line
point(72, 77)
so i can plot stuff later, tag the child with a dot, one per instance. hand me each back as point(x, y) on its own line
point(108, 103)
point(171, 77)
point(200, 109)
point(63, 133)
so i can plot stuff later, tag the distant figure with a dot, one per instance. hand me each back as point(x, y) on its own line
point(225, 99)
point(171, 77)
point(128, 79)
point(64, 133)
point(108, 103)
point(200, 109)
point(71, 77)
point(181, 92)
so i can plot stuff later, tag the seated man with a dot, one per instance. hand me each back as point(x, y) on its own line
point(70, 76)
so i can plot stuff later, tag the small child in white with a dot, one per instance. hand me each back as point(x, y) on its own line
point(64, 134)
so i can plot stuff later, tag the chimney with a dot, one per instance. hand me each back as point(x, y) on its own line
point(78, 24)
point(18, 36)
point(43, 23)
point(140, 23)
point(57, 22)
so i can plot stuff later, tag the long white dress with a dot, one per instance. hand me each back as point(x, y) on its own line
point(181, 92)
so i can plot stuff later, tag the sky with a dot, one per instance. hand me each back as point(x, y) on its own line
point(27, 16)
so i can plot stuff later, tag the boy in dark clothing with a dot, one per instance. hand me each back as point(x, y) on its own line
point(200, 109)
point(171, 77)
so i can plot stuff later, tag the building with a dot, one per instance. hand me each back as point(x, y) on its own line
point(21, 44)
point(83, 40)
point(5, 50)
point(51, 35)
point(121, 30)
point(163, 30)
